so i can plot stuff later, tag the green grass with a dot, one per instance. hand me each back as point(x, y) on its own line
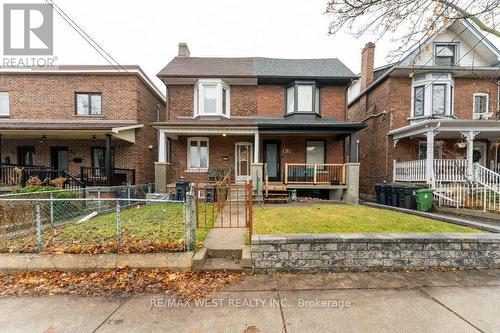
point(145, 228)
point(342, 218)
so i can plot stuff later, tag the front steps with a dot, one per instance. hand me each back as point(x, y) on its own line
point(224, 250)
point(276, 194)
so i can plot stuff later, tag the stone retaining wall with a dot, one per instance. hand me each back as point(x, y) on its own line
point(373, 252)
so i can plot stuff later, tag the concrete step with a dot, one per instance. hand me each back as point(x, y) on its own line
point(224, 253)
point(222, 264)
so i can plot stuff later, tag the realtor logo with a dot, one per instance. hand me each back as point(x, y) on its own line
point(28, 29)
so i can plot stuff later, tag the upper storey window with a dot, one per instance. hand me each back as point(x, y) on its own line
point(88, 104)
point(4, 103)
point(445, 54)
point(432, 95)
point(302, 97)
point(211, 98)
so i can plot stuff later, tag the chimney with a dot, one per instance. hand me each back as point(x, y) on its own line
point(367, 60)
point(183, 50)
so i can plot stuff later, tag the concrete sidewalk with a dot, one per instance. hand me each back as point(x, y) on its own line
point(336, 302)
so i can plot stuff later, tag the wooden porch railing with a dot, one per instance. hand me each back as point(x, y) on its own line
point(303, 173)
point(91, 176)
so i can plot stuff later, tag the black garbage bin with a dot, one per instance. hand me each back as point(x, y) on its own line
point(181, 188)
point(402, 196)
point(394, 195)
point(383, 194)
point(411, 197)
point(378, 190)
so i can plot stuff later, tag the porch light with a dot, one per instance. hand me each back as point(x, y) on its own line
point(224, 134)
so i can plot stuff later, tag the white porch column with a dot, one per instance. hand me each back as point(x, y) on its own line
point(429, 162)
point(162, 144)
point(256, 148)
point(469, 137)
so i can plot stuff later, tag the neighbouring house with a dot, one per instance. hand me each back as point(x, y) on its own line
point(88, 124)
point(433, 117)
point(280, 122)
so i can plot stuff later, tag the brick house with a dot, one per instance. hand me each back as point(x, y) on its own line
point(283, 119)
point(90, 123)
point(432, 116)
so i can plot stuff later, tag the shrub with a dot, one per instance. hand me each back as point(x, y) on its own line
point(58, 182)
point(15, 216)
point(34, 181)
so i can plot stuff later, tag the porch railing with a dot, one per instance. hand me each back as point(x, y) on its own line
point(91, 176)
point(12, 174)
point(409, 171)
point(450, 170)
point(48, 176)
point(444, 170)
point(303, 173)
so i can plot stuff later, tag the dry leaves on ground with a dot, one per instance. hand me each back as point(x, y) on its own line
point(125, 281)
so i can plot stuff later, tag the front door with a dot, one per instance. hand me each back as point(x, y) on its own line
point(272, 159)
point(243, 161)
point(59, 158)
point(480, 152)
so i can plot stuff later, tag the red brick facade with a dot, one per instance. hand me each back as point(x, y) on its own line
point(125, 97)
point(387, 106)
point(250, 101)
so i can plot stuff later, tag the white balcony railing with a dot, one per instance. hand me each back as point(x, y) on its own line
point(409, 171)
point(444, 170)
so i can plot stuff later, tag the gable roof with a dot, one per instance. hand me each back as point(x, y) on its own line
point(256, 67)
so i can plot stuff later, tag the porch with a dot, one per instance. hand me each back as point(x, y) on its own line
point(449, 150)
point(76, 156)
point(275, 156)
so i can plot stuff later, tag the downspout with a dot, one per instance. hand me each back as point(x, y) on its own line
point(346, 104)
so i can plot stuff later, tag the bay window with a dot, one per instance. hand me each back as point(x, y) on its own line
point(211, 98)
point(302, 97)
point(197, 154)
point(432, 95)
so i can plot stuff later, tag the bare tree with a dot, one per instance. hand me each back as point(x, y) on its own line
point(409, 21)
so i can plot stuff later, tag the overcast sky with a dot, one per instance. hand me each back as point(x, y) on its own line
point(147, 32)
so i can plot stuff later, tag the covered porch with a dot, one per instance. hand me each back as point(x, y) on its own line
point(276, 155)
point(82, 154)
point(446, 150)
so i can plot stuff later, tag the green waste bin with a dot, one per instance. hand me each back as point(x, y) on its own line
point(424, 199)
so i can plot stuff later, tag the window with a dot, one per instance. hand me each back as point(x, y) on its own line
point(432, 95)
point(4, 103)
point(302, 97)
point(26, 155)
point(445, 54)
point(438, 150)
point(197, 154)
point(98, 155)
point(481, 106)
point(211, 98)
point(418, 93)
point(315, 151)
point(88, 104)
point(438, 99)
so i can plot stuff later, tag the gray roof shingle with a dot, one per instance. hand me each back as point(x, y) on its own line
point(256, 67)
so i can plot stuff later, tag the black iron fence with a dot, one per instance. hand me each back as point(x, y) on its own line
point(90, 176)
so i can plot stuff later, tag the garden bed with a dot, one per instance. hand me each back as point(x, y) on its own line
point(343, 218)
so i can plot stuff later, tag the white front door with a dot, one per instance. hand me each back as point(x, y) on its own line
point(480, 153)
point(243, 161)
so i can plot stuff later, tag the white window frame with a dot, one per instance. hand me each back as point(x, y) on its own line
point(437, 145)
point(199, 98)
point(427, 81)
point(2, 113)
point(191, 168)
point(456, 45)
point(482, 115)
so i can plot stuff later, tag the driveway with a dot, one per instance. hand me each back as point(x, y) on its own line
point(466, 301)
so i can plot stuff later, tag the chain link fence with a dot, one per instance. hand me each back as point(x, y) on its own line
point(97, 220)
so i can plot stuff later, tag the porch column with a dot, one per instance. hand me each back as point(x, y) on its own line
point(469, 137)
point(429, 162)
point(256, 148)
point(162, 144)
point(109, 176)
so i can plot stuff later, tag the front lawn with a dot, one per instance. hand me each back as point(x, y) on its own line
point(342, 218)
point(145, 228)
